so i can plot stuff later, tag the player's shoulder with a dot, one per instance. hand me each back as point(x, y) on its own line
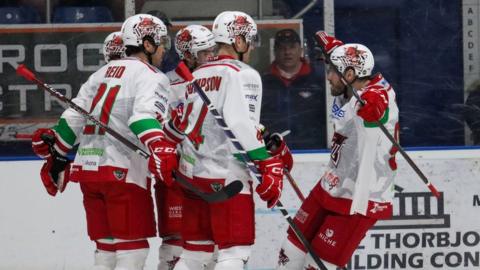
point(224, 63)
point(378, 82)
point(139, 67)
point(174, 77)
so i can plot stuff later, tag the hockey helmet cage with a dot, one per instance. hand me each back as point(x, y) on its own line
point(139, 26)
point(192, 39)
point(113, 46)
point(229, 24)
point(353, 55)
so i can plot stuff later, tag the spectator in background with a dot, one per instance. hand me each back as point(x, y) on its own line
point(293, 99)
point(472, 113)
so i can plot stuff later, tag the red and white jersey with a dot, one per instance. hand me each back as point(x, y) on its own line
point(127, 95)
point(177, 96)
point(359, 178)
point(235, 90)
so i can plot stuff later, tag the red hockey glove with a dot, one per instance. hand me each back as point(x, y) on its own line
point(329, 43)
point(39, 146)
point(376, 102)
point(277, 147)
point(55, 174)
point(163, 160)
point(271, 187)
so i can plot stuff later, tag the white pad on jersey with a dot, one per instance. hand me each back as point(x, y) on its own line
point(169, 256)
point(310, 264)
point(290, 257)
point(104, 260)
point(233, 258)
point(131, 259)
point(193, 260)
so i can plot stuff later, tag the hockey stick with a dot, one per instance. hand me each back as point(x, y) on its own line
point(225, 193)
point(276, 143)
point(294, 185)
point(185, 73)
point(384, 129)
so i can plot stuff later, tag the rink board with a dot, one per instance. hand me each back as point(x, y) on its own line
point(41, 232)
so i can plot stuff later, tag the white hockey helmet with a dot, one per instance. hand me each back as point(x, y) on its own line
point(113, 46)
point(229, 24)
point(192, 39)
point(356, 56)
point(139, 26)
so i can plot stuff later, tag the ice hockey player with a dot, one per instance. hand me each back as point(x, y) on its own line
point(235, 90)
point(126, 95)
point(194, 45)
point(113, 48)
point(357, 188)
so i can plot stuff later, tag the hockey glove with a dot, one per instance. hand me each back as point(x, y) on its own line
point(163, 160)
point(271, 187)
point(328, 43)
point(40, 147)
point(55, 174)
point(376, 102)
point(277, 147)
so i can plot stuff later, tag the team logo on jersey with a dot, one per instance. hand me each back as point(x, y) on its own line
point(337, 144)
point(216, 186)
point(119, 174)
point(331, 179)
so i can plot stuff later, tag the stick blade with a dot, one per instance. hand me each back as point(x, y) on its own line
point(233, 188)
point(223, 194)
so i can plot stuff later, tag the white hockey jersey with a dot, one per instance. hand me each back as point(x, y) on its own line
point(235, 90)
point(359, 178)
point(127, 95)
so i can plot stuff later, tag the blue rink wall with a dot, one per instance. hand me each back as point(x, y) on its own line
point(41, 232)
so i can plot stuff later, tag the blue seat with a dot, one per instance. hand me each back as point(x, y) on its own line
point(18, 15)
point(78, 14)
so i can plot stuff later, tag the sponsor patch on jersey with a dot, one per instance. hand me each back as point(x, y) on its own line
point(161, 97)
point(160, 106)
point(337, 111)
point(327, 237)
point(90, 152)
point(89, 163)
point(251, 107)
point(175, 211)
point(252, 86)
point(301, 216)
point(251, 97)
